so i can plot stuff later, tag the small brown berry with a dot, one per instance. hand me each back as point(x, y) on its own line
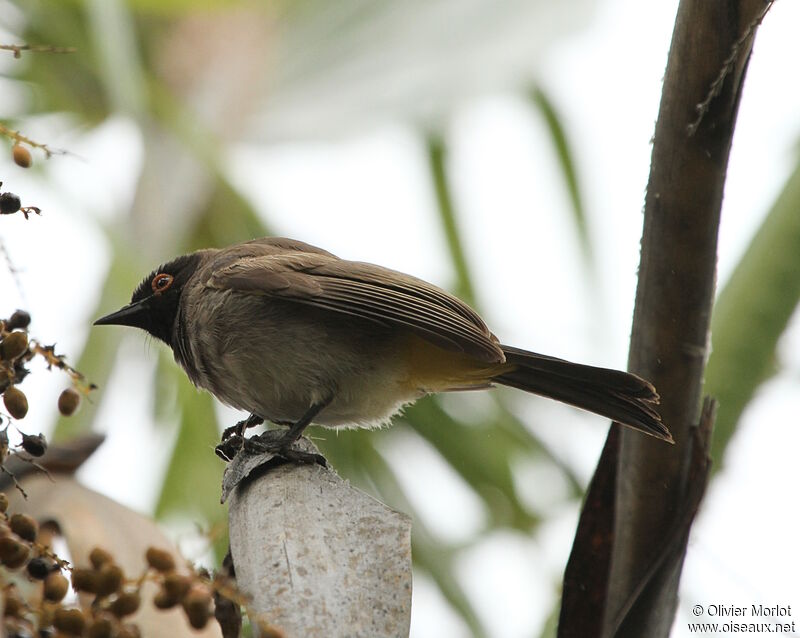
point(197, 605)
point(129, 631)
point(85, 580)
point(176, 586)
point(70, 621)
point(16, 402)
point(3, 502)
point(13, 552)
point(13, 603)
point(99, 557)
point(24, 526)
point(109, 579)
point(56, 587)
point(162, 600)
point(34, 444)
point(22, 156)
point(160, 559)
point(45, 618)
point(20, 319)
point(13, 345)
point(125, 604)
point(101, 626)
point(68, 401)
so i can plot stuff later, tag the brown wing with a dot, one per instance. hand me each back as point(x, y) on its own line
point(304, 274)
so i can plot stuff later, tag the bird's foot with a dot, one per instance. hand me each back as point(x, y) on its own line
point(278, 443)
point(233, 437)
point(283, 444)
point(251, 421)
point(229, 446)
point(274, 442)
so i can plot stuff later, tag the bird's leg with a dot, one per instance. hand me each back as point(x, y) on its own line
point(233, 437)
point(282, 446)
point(250, 422)
point(295, 431)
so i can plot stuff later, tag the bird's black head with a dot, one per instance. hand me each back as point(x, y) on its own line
point(154, 304)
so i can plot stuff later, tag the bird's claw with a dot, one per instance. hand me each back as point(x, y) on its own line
point(239, 429)
point(230, 445)
point(277, 443)
point(273, 442)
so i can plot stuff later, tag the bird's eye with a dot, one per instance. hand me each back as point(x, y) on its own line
point(161, 282)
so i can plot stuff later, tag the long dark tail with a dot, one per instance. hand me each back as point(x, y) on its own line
point(619, 396)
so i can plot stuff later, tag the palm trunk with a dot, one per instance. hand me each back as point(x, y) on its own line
point(623, 573)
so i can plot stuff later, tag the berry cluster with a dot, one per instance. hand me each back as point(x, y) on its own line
point(115, 596)
point(112, 597)
point(108, 598)
point(16, 350)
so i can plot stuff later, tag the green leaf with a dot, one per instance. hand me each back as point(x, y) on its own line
point(227, 218)
point(481, 455)
point(434, 559)
point(176, 7)
point(564, 155)
point(447, 216)
point(194, 475)
point(752, 312)
point(166, 406)
point(70, 82)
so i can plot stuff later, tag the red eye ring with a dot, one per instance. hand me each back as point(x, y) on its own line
point(161, 282)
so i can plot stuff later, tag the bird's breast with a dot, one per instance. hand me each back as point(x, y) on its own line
point(276, 358)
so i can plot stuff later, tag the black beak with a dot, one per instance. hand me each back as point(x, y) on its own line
point(134, 314)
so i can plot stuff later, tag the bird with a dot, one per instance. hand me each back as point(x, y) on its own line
point(294, 335)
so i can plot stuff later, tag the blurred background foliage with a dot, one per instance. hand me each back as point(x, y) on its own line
point(197, 77)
